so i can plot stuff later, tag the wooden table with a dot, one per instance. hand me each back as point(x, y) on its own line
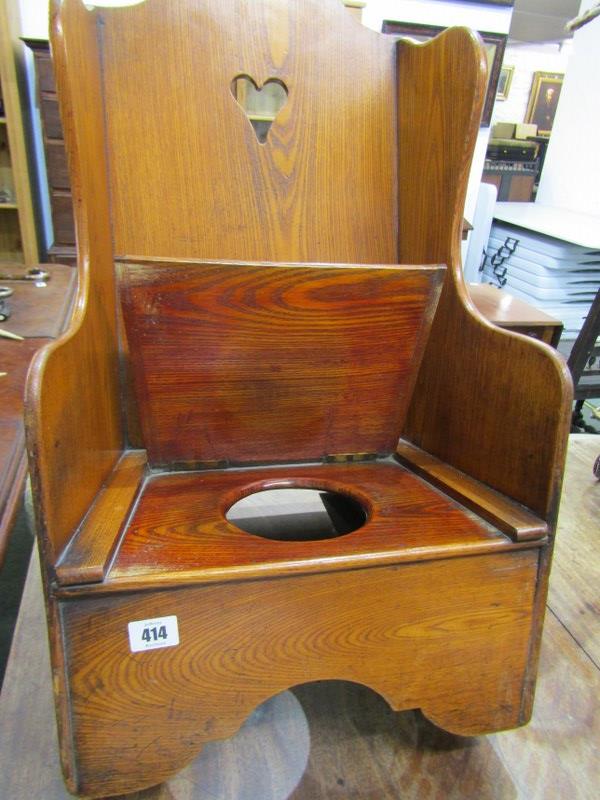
point(38, 314)
point(509, 312)
point(338, 740)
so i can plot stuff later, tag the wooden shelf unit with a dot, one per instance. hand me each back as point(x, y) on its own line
point(18, 233)
point(62, 249)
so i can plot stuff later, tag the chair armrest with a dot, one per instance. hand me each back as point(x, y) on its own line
point(72, 400)
point(73, 420)
point(495, 405)
point(506, 515)
point(488, 402)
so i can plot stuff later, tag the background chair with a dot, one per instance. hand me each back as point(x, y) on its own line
point(242, 324)
point(583, 362)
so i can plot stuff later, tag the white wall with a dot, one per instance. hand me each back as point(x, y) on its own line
point(34, 18)
point(527, 59)
point(481, 17)
point(571, 177)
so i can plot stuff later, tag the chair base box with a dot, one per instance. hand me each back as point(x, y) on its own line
point(419, 634)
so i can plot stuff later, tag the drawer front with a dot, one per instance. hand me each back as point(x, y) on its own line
point(62, 217)
point(56, 165)
point(45, 73)
point(63, 254)
point(51, 117)
point(544, 333)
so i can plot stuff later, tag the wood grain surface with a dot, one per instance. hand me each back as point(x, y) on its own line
point(366, 164)
point(513, 519)
point(139, 717)
point(38, 314)
point(71, 454)
point(178, 531)
point(322, 188)
point(238, 363)
point(431, 149)
point(574, 589)
point(489, 402)
point(15, 357)
point(512, 313)
point(89, 553)
point(359, 748)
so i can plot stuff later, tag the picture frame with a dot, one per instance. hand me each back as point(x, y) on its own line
point(543, 100)
point(495, 44)
point(504, 82)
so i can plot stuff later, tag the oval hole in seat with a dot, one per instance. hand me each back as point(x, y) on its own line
point(296, 515)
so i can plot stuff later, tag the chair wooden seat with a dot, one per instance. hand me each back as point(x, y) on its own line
point(178, 532)
point(277, 301)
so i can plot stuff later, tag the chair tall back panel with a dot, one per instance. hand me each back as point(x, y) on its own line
point(189, 178)
point(265, 305)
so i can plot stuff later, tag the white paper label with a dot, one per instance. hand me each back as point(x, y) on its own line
point(150, 634)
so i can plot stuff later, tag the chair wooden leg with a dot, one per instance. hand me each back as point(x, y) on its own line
point(458, 650)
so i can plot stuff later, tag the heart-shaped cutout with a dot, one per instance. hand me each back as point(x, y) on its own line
point(261, 104)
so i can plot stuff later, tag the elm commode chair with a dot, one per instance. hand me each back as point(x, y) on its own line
point(242, 324)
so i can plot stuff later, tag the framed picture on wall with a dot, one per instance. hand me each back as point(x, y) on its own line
point(504, 82)
point(494, 47)
point(543, 100)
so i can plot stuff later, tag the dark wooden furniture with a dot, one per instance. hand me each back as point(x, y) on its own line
point(511, 166)
point(514, 314)
point(583, 361)
point(242, 325)
point(515, 185)
point(38, 315)
point(62, 250)
point(18, 234)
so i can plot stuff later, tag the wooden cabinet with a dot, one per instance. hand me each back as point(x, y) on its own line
point(18, 234)
point(515, 186)
point(62, 249)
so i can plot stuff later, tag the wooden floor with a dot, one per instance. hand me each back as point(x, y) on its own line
point(336, 740)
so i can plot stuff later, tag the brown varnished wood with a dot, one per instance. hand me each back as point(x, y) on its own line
point(72, 404)
point(178, 532)
point(321, 189)
point(525, 467)
point(358, 746)
point(39, 311)
point(14, 361)
point(14, 475)
point(270, 634)
point(263, 363)
point(512, 519)
point(73, 397)
point(489, 402)
point(37, 314)
point(573, 593)
point(15, 357)
point(365, 165)
point(510, 312)
point(88, 555)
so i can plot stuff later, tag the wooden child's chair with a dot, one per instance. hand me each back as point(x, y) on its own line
point(242, 324)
